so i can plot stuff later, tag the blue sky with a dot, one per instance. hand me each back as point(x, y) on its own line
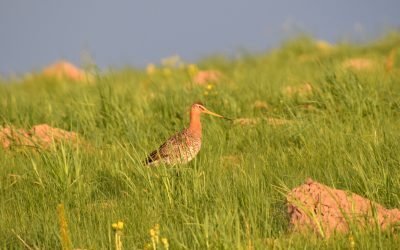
point(127, 32)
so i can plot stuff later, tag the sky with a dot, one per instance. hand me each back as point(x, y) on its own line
point(134, 33)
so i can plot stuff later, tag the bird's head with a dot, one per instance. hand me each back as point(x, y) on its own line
point(198, 108)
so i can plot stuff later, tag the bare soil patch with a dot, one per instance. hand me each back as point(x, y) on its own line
point(41, 136)
point(324, 210)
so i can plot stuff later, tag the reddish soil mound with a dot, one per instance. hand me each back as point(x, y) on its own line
point(324, 210)
point(278, 121)
point(246, 121)
point(260, 105)
point(207, 76)
point(253, 121)
point(359, 64)
point(391, 59)
point(65, 70)
point(39, 136)
point(302, 90)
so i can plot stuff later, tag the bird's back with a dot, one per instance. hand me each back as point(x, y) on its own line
point(178, 149)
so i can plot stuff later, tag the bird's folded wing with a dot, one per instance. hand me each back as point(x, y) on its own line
point(171, 148)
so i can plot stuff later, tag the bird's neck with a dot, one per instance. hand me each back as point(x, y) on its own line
point(195, 124)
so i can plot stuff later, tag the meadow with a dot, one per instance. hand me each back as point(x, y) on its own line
point(302, 110)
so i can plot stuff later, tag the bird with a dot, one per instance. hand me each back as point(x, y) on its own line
point(182, 147)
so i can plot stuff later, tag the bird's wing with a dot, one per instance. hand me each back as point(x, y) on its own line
point(168, 149)
point(157, 154)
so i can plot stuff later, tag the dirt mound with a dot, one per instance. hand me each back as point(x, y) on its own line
point(391, 59)
point(254, 121)
point(260, 105)
point(278, 121)
point(246, 121)
point(359, 64)
point(303, 90)
point(65, 70)
point(207, 76)
point(324, 210)
point(41, 135)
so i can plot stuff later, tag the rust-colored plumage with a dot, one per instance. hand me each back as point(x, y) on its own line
point(183, 146)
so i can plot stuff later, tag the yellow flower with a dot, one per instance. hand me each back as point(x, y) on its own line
point(352, 242)
point(151, 69)
point(210, 86)
point(152, 232)
point(167, 72)
point(205, 92)
point(192, 69)
point(165, 242)
point(65, 240)
point(118, 226)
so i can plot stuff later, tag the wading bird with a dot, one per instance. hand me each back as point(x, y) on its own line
point(183, 146)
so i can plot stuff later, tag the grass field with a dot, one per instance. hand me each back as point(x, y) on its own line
point(344, 133)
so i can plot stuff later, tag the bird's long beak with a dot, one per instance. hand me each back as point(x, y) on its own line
point(214, 114)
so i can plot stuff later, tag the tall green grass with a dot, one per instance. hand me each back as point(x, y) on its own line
point(229, 197)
